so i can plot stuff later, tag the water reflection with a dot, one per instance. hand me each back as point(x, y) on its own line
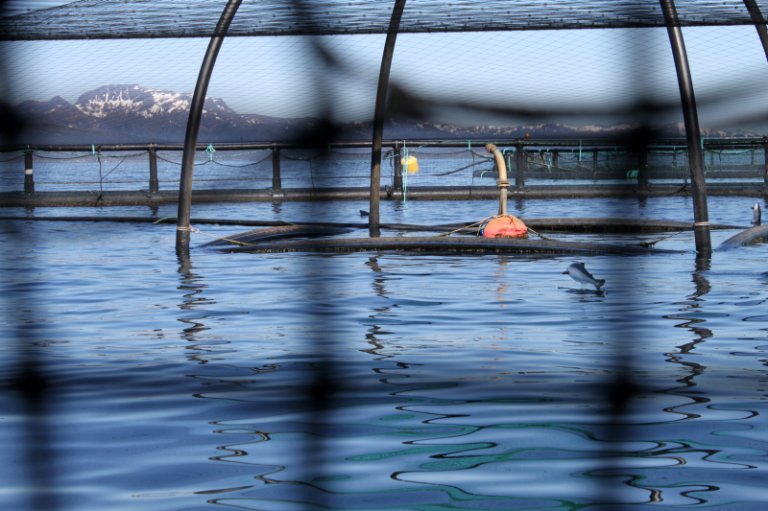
point(192, 286)
point(685, 452)
point(693, 303)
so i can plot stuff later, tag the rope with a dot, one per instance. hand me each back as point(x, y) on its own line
point(652, 243)
point(229, 240)
point(267, 157)
point(478, 223)
point(115, 167)
point(79, 156)
point(465, 167)
point(13, 159)
point(539, 234)
point(179, 163)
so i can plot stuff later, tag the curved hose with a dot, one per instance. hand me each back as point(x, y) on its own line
point(503, 181)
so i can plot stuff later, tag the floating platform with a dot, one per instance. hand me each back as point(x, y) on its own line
point(442, 245)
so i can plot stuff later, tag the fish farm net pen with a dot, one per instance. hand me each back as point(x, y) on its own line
point(176, 103)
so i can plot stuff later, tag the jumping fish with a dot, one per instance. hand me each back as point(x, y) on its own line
point(756, 214)
point(579, 273)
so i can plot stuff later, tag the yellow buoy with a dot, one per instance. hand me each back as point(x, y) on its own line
point(410, 164)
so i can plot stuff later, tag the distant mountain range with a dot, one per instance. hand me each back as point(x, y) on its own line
point(136, 114)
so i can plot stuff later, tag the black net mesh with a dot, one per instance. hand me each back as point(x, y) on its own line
point(96, 98)
point(109, 19)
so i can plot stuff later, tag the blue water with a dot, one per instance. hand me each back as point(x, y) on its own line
point(380, 381)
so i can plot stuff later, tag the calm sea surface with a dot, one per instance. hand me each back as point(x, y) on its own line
point(379, 381)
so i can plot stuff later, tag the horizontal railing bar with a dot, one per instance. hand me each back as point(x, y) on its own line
point(584, 144)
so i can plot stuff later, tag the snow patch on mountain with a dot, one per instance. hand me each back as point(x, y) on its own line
point(140, 101)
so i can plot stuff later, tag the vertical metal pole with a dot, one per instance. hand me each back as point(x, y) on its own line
point(692, 132)
point(520, 165)
point(193, 123)
point(765, 160)
point(397, 180)
point(277, 181)
point(154, 182)
point(759, 21)
point(29, 174)
point(594, 163)
point(642, 168)
point(378, 117)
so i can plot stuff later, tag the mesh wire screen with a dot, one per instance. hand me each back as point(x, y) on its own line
point(577, 77)
point(115, 69)
point(89, 19)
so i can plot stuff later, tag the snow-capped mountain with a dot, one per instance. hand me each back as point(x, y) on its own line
point(118, 114)
point(144, 102)
point(136, 114)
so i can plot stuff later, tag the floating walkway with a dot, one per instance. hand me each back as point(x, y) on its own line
point(458, 238)
point(443, 245)
point(144, 198)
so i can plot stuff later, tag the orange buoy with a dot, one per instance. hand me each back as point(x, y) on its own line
point(505, 226)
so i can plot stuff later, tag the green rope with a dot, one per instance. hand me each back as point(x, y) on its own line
point(405, 174)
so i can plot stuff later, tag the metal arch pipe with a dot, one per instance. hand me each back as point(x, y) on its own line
point(193, 124)
point(692, 131)
point(760, 23)
point(378, 117)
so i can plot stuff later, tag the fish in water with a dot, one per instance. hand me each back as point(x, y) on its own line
point(756, 214)
point(579, 273)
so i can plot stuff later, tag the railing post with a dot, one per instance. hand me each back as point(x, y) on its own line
point(520, 164)
point(397, 180)
point(765, 160)
point(594, 163)
point(642, 168)
point(154, 182)
point(29, 174)
point(277, 181)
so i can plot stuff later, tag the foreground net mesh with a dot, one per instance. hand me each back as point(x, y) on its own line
point(463, 70)
point(108, 19)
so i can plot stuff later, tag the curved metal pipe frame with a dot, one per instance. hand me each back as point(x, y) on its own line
point(183, 227)
point(760, 23)
point(692, 131)
point(378, 118)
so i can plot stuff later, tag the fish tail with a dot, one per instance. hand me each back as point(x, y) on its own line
point(600, 283)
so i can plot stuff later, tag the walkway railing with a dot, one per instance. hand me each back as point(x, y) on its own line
point(450, 169)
